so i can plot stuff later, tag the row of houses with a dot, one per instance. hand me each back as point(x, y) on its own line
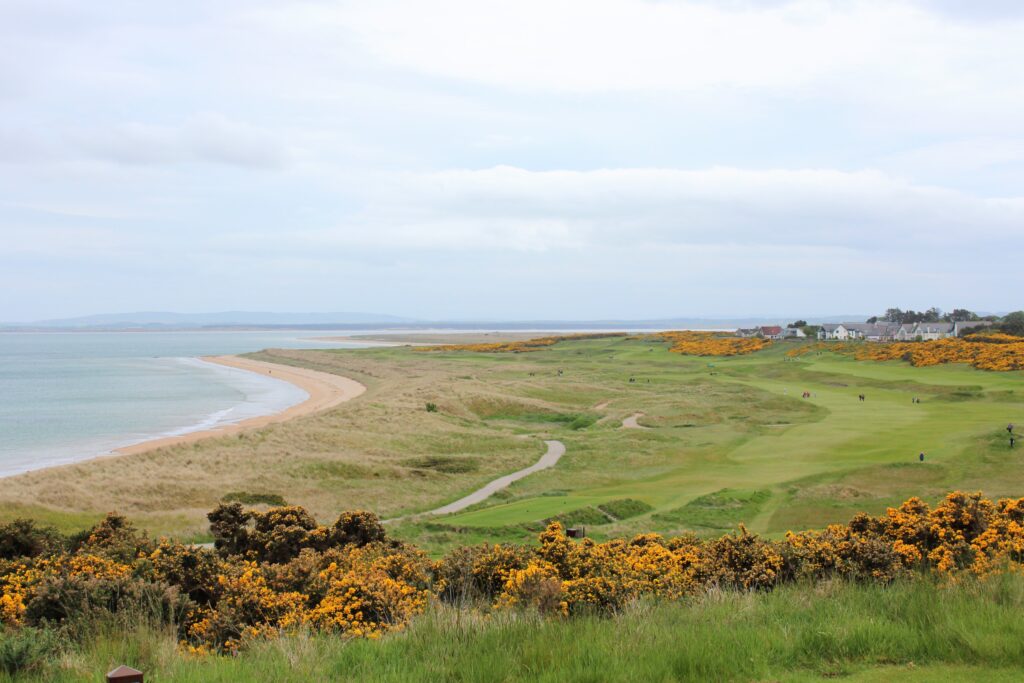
point(886, 331)
point(772, 332)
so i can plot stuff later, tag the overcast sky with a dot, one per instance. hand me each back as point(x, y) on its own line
point(524, 159)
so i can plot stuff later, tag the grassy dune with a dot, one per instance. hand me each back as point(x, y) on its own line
point(915, 631)
point(729, 441)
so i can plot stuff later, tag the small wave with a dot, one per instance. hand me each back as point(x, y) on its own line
point(209, 422)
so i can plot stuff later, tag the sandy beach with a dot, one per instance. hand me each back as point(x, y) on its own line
point(325, 391)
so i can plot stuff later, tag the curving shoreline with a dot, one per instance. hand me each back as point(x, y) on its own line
point(324, 391)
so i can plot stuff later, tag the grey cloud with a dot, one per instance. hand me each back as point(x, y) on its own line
point(203, 139)
point(671, 206)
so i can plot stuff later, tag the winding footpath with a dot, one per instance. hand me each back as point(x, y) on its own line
point(556, 449)
point(631, 422)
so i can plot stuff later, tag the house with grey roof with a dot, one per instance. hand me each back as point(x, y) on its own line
point(886, 331)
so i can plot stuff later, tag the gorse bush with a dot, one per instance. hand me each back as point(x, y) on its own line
point(985, 351)
point(520, 346)
point(711, 343)
point(24, 538)
point(280, 570)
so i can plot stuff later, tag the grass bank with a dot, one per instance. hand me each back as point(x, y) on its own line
point(914, 631)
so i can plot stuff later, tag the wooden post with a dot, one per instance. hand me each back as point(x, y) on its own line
point(124, 674)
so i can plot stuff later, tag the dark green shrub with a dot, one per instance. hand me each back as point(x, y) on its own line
point(191, 569)
point(24, 538)
point(84, 600)
point(254, 498)
point(25, 649)
point(443, 463)
point(115, 538)
point(279, 534)
point(431, 407)
point(357, 527)
point(581, 422)
point(230, 527)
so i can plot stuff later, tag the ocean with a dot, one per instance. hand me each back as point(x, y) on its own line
point(69, 396)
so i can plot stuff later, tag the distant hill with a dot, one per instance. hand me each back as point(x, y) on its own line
point(158, 320)
point(161, 319)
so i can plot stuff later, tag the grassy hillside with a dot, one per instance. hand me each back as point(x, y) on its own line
point(727, 440)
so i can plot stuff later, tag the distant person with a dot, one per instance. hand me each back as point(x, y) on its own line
point(1011, 442)
point(921, 457)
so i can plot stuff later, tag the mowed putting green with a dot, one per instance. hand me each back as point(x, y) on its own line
point(731, 440)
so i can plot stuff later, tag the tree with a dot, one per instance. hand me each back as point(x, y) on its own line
point(1013, 323)
point(960, 315)
point(798, 324)
point(872, 320)
point(894, 315)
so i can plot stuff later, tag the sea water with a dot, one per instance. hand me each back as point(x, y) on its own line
point(67, 396)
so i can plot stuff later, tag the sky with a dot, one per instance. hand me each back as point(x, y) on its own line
point(535, 159)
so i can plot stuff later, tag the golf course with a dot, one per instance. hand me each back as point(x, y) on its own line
point(730, 440)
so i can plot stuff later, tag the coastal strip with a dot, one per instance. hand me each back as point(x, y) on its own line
point(325, 391)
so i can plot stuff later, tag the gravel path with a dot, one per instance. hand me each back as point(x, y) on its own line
point(556, 449)
point(631, 422)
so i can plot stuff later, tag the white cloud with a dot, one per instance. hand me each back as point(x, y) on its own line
point(584, 46)
point(507, 208)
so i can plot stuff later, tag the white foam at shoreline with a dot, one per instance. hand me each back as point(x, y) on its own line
point(259, 395)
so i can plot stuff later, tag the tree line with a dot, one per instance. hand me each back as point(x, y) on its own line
point(1011, 323)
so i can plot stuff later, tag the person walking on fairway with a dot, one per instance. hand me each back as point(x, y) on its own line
point(921, 457)
point(1011, 442)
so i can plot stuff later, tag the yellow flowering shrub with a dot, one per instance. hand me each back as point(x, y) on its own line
point(367, 585)
point(537, 585)
point(28, 581)
point(992, 351)
point(519, 346)
point(711, 343)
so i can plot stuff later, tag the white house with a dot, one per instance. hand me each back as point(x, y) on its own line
point(833, 332)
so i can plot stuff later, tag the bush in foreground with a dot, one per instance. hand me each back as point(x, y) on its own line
point(279, 571)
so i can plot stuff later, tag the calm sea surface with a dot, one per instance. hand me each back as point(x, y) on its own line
point(70, 396)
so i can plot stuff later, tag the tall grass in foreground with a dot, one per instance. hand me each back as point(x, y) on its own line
point(912, 630)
